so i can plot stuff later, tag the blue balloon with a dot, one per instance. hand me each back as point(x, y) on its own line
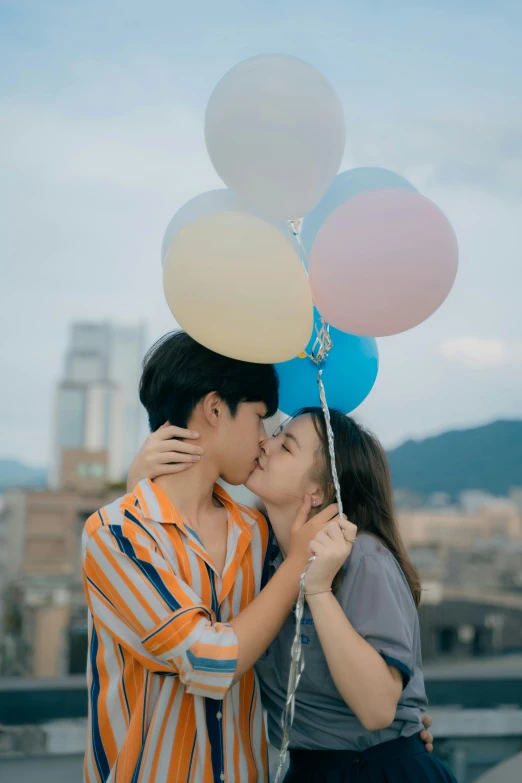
point(349, 374)
point(345, 186)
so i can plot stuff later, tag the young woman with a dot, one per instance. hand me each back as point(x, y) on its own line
point(361, 697)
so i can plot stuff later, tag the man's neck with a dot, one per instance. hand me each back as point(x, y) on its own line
point(191, 491)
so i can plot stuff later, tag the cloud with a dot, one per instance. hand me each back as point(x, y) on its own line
point(146, 148)
point(477, 353)
point(460, 149)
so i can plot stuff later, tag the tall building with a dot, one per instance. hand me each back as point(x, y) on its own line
point(128, 345)
point(96, 404)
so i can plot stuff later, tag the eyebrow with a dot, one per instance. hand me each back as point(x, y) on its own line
point(292, 437)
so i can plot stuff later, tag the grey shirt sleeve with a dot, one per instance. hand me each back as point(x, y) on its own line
point(378, 602)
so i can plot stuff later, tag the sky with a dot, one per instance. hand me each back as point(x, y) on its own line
point(101, 141)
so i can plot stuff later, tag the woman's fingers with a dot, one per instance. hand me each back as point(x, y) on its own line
point(319, 520)
point(327, 514)
point(323, 538)
point(167, 431)
point(427, 721)
point(173, 468)
point(348, 529)
point(167, 457)
point(340, 526)
point(178, 445)
point(315, 547)
point(335, 533)
point(427, 738)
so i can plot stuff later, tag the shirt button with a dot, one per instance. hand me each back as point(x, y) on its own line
point(222, 776)
point(219, 715)
point(356, 759)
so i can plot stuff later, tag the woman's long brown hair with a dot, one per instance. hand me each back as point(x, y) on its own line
point(366, 487)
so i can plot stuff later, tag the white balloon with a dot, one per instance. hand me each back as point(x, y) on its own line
point(209, 203)
point(236, 285)
point(275, 132)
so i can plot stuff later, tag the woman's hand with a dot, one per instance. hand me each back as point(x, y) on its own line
point(331, 546)
point(304, 529)
point(426, 736)
point(168, 450)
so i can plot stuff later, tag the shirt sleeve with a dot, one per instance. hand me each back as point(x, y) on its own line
point(380, 607)
point(135, 594)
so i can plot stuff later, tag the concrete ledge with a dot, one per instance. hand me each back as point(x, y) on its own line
point(60, 738)
point(453, 723)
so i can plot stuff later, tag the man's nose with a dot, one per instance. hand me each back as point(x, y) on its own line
point(263, 437)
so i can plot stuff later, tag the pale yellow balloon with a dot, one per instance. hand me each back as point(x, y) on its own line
point(236, 284)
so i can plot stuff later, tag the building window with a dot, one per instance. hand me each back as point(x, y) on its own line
point(90, 470)
point(97, 470)
point(446, 640)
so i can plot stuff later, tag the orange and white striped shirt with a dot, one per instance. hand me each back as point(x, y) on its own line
point(161, 655)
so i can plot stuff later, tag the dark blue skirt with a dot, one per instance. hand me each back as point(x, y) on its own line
point(403, 760)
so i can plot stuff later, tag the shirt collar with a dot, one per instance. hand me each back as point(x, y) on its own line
point(156, 505)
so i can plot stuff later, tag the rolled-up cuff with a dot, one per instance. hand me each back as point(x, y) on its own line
point(175, 632)
point(404, 670)
point(203, 654)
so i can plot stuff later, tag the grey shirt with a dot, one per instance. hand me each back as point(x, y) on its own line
point(378, 603)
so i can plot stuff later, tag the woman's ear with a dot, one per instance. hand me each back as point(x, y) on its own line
point(317, 498)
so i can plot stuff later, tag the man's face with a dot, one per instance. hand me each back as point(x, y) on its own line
point(240, 441)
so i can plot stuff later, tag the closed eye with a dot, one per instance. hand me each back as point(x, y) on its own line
point(286, 448)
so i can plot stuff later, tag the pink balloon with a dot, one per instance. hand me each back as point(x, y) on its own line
point(383, 262)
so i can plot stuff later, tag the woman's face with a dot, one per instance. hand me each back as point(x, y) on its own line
point(285, 470)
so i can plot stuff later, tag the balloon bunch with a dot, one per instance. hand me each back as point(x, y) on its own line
point(242, 273)
point(242, 276)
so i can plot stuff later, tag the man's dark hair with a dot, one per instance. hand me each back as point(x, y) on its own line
point(178, 372)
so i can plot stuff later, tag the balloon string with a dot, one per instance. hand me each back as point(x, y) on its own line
point(331, 442)
point(319, 354)
point(297, 664)
point(321, 347)
point(294, 224)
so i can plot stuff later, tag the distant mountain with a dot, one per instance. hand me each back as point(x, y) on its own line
point(16, 474)
point(487, 458)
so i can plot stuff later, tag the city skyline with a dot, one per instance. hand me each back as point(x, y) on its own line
point(102, 128)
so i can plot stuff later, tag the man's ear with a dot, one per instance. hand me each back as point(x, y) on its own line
point(213, 408)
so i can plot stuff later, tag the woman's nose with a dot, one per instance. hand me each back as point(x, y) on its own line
point(267, 446)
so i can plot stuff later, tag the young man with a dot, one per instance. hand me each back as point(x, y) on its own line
point(172, 575)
